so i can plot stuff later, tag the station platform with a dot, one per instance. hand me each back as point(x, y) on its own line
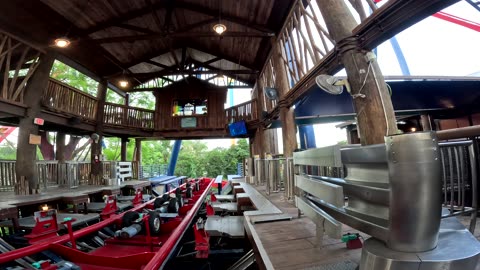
point(292, 244)
point(11, 203)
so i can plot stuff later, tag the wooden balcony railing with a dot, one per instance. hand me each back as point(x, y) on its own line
point(116, 114)
point(64, 98)
point(246, 111)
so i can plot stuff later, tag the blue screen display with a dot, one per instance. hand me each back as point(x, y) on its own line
point(237, 128)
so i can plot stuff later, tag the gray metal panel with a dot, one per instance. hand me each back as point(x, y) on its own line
point(330, 193)
point(415, 197)
point(328, 156)
point(457, 249)
point(341, 215)
point(379, 196)
point(331, 227)
point(374, 213)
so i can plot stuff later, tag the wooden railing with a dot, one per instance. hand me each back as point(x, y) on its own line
point(7, 175)
point(64, 98)
point(246, 111)
point(50, 174)
point(116, 114)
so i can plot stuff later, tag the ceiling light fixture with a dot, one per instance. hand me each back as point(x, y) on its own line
point(62, 42)
point(123, 83)
point(219, 28)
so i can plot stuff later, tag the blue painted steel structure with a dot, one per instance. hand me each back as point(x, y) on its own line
point(173, 158)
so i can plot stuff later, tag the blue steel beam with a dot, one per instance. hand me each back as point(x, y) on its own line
point(173, 158)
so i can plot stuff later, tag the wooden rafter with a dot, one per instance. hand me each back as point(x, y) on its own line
point(136, 28)
point(178, 35)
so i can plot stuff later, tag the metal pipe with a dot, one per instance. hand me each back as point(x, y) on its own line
point(473, 167)
point(450, 167)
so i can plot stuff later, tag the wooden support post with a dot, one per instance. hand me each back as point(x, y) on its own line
point(96, 172)
point(375, 115)
point(425, 122)
point(125, 111)
point(26, 152)
point(138, 151)
point(123, 150)
point(60, 151)
point(287, 117)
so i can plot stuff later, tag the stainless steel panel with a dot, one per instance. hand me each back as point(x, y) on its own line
point(328, 156)
point(457, 249)
point(341, 215)
point(374, 213)
point(331, 227)
point(379, 196)
point(415, 197)
point(330, 193)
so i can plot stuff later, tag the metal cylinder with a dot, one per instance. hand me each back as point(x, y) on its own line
point(130, 231)
point(415, 191)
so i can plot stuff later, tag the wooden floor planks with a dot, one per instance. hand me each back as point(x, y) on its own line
point(292, 244)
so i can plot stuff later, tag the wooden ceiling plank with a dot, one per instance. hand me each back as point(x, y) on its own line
point(123, 18)
point(211, 61)
point(151, 62)
point(214, 13)
point(136, 28)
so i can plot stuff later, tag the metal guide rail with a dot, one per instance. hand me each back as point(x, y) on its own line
point(395, 193)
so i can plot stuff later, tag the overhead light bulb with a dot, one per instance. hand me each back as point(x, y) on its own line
point(123, 83)
point(219, 28)
point(62, 42)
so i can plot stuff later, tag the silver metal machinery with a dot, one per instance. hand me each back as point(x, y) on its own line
point(394, 194)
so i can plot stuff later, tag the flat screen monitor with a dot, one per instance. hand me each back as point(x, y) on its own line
point(237, 129)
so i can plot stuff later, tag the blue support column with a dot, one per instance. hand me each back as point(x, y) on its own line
point(173, 158)
point(307, 136)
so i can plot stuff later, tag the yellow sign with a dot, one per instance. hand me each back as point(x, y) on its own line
point(35, 139)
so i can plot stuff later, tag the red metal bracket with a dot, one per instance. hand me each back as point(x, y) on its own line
point(110, 207)
point(213, 198)
point(45, 226)
point(210, 210)
point(138, 197)
point(202, 242)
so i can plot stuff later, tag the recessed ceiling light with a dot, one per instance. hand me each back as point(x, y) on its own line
point(62, 42)
point(219, 28)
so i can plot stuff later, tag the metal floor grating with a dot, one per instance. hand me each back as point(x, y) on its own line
point(345, 265)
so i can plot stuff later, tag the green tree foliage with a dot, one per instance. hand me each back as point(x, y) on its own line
point(195, 160)
point(144, 100)
point(74, 78)
point(113, 97)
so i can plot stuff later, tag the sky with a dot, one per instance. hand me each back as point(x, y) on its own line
point(431, 47)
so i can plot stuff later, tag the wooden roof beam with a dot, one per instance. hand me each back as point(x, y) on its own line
point(193, 72)
point(136, 28)
point(151, 62)
point(178, 35)
point(229, 58)
point(123, 18)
